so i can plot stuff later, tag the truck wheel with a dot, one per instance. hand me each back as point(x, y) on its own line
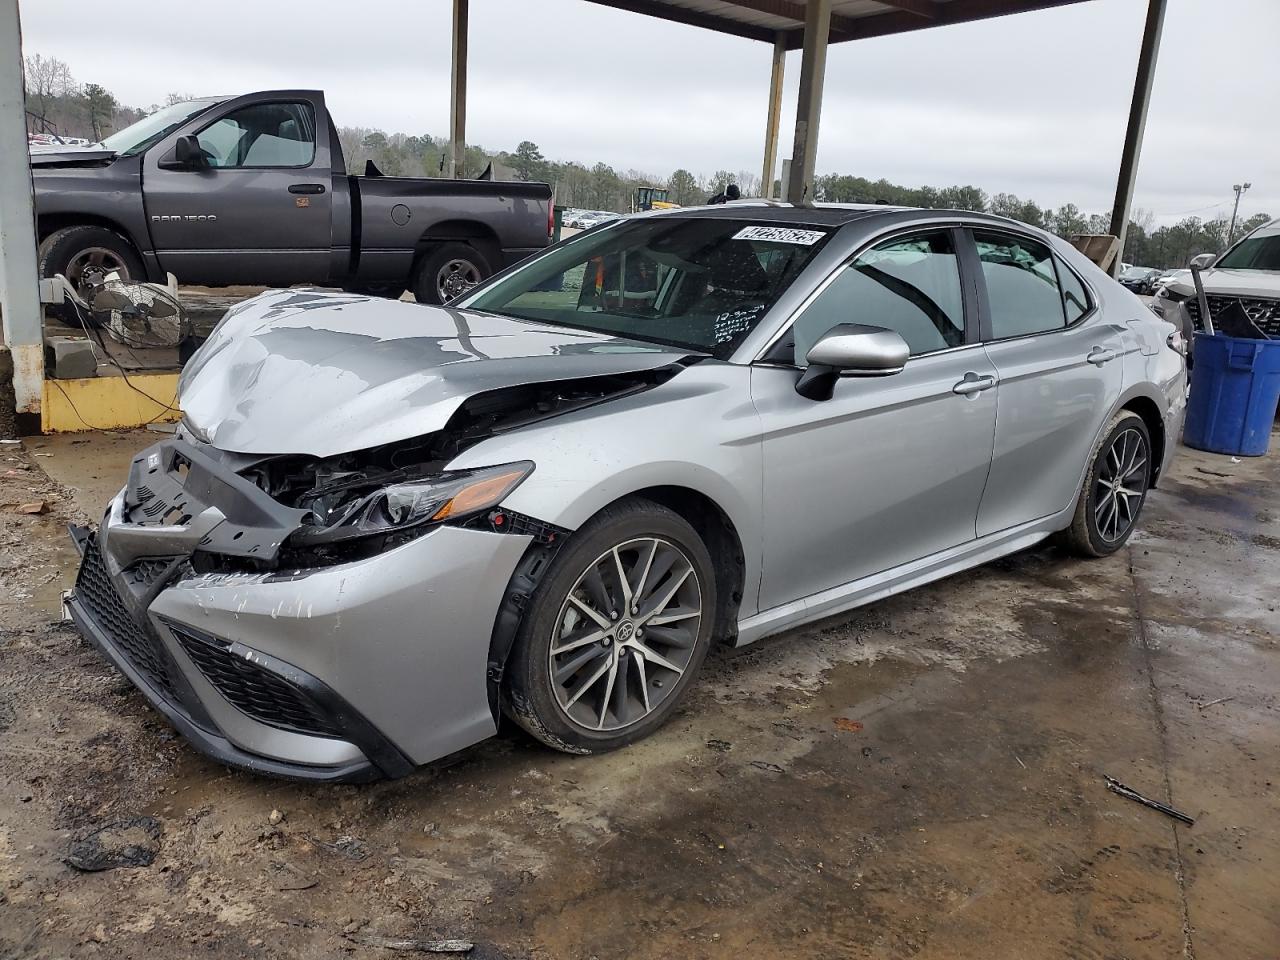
point(448, 271)
point(84, 253)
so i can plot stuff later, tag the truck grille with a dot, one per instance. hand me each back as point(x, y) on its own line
point(98, 595)
point(1264, 313)
point(254, 690)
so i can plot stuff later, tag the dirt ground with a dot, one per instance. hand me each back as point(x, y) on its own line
point(923, 778)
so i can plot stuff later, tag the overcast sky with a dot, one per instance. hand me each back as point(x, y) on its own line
point(1033, 104)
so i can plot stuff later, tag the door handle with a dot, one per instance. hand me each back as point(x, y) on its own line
point(1100, 355)
point(972, 383)
point(306, 188)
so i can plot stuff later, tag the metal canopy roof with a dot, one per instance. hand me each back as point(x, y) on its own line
point(850, 19)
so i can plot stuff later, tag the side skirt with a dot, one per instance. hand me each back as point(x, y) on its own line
point(898, 579)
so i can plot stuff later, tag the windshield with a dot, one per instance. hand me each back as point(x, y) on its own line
point(137, 137)
point(1259, 252)
point(696, 283)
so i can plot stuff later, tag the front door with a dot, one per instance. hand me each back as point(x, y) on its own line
point(890, 469)
point(257, 209)
point(1060, 369)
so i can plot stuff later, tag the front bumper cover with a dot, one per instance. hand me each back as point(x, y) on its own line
point(146, 661)
point(345, 672)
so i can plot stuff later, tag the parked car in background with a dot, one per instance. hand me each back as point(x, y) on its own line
point(1138, 279)
point(254, 190)
point(1245, 277)
point(1169, 276)
point(380, 525)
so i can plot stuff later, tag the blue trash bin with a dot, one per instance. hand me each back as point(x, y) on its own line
point(1235, 387)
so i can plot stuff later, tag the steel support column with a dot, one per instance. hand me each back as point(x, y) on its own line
point(19, 282)
point(775, 116)
point(1142, 84)
point(458, 89)
point(813, 69)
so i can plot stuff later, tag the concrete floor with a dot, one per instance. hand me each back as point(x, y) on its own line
point(920, 779)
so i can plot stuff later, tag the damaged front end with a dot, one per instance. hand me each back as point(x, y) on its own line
point(241, 592)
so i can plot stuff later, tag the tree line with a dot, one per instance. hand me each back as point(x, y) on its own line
point(56, 100)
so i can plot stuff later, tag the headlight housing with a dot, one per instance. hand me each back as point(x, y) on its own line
point(412, 505)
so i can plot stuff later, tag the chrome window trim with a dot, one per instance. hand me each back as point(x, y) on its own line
point(820, 288)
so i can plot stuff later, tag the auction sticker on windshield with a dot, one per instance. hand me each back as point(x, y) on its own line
point(780, 235)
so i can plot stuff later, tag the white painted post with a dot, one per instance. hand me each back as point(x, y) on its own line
point(19, 281)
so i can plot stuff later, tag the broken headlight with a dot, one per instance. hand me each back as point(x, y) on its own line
point(407, 504)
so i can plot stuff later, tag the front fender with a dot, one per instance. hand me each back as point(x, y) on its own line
point(589, 459)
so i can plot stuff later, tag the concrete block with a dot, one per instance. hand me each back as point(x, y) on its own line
point(70, 358)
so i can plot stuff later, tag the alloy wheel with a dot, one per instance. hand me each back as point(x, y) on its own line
point(91, 265)
point(625, 634)
point(455, 277)
point(1120, 485)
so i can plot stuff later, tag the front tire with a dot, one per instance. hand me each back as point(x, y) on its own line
point(1114, 489)
point(87, 253)
point(615, 632)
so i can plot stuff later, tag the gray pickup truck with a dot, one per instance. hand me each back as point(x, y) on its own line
point(254, 190)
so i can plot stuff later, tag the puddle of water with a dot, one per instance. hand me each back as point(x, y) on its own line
point(47, 597)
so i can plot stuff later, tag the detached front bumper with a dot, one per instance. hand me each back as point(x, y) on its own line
point(343, 673)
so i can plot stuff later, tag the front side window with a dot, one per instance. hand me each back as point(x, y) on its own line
point(1022, 285)
point(910, 285)
point(262, 135)
point(694, 283)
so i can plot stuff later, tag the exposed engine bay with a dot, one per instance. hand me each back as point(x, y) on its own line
point(361, 503)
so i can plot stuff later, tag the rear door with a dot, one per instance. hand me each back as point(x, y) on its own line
point(1060, 368)
point(890, 469)
point(258, 209)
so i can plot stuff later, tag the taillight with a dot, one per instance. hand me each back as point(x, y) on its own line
point(551, 216)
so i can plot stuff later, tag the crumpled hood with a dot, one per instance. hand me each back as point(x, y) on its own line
point(319, 373)
point(1232, 283)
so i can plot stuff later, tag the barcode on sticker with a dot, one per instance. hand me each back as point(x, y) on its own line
point(805, 238)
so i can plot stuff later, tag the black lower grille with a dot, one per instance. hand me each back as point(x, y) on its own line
point(95, 591)
point(1265, 314)
point(255, 691)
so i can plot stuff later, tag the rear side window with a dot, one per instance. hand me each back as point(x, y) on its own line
point(1022, 285)
point(1075, 298)
point(910, 285)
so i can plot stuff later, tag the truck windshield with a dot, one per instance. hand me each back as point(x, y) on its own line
point(137, 137)
point(1259, 252)
point(695, 283)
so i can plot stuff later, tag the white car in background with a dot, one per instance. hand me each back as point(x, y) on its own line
point(1247, 274)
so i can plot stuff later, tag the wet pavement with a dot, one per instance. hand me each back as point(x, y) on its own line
point(922, 778)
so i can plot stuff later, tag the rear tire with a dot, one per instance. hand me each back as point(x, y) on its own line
point(616, 670)
point(447, 271)
point(1114, 489)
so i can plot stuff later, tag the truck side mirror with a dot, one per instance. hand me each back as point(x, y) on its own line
point(187, 152)
point(1203, 261)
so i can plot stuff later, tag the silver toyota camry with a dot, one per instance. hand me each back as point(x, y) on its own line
point(382, 526)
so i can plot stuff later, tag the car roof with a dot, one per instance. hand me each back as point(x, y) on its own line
point(772, 211)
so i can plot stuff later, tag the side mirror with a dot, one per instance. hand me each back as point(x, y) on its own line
point(851, 350)
point(1203, 261)
point(187, 155)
